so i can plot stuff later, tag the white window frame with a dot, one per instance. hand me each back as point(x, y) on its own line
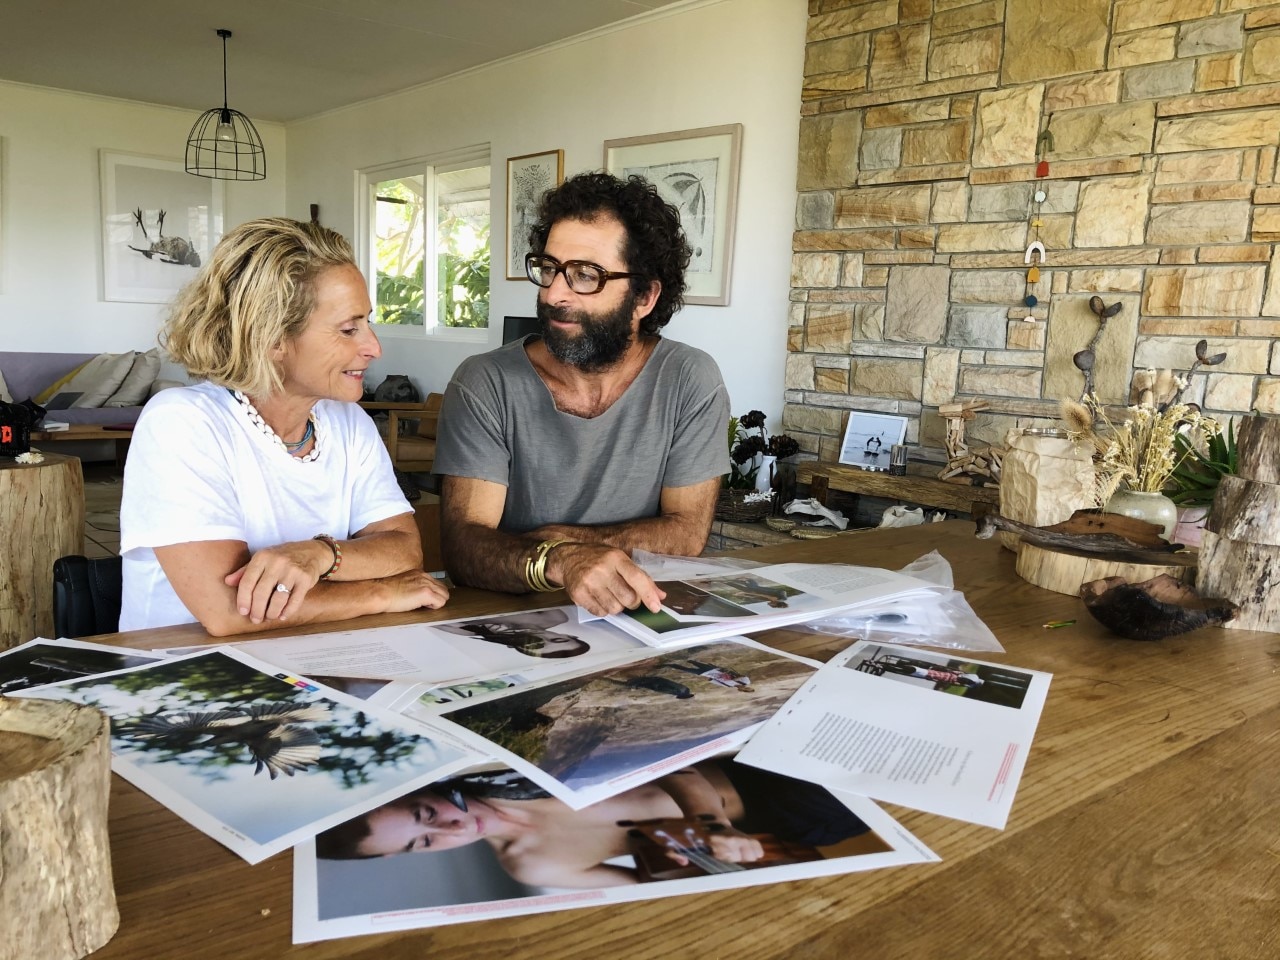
point(427, 167)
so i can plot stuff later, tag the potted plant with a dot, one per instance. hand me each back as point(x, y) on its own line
point(1136, 454)
point(1194, 481)
point(747, 489)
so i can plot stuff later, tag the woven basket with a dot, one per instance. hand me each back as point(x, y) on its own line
point(729, 506)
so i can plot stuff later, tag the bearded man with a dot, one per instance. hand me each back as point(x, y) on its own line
point(562, 453)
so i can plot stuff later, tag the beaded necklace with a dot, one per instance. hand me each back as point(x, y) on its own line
point(289, 448)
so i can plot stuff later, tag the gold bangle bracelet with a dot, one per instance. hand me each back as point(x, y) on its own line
point(535, 567)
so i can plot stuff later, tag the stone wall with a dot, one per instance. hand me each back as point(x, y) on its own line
point(920, 134)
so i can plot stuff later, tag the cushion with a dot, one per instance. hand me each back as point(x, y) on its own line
point(133, 391)
point(5, 396)
point(47, 394)
point(163, 385)
point(96, 381)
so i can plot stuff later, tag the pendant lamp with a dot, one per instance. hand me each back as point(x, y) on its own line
point(224, 144)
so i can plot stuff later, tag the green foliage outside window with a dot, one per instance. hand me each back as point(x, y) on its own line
point(463, 259)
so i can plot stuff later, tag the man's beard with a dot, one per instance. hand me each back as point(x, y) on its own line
point(601, 340)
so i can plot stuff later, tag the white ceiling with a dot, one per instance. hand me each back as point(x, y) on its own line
point(286, 59)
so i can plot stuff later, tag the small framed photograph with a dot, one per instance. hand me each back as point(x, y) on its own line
point(869, 438)
point(696, 171)
point(159, 223)
point(528, 178)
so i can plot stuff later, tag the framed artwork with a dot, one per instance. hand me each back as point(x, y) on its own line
point(696, 171)
point(159, 224)
point(528, 178)
point(869, 438)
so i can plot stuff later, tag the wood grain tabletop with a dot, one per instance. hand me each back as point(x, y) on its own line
point(1147, 823)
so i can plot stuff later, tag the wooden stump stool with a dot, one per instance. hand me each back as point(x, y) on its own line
point(56, 895)
point(1064, 572)
point(42, 516)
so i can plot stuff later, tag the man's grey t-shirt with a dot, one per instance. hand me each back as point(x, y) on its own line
point(499, 422)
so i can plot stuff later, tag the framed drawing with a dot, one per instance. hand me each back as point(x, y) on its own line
point(697, 172)
point(869, 438)
point(159, 223)
point(528, 178)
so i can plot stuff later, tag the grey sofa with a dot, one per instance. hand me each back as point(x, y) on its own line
point(27, 374)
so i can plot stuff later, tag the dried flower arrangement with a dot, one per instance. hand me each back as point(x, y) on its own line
point(749, 440)
point(1142, 450)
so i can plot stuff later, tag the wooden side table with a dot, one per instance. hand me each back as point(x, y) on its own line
point(121, 435)
point(42, 516)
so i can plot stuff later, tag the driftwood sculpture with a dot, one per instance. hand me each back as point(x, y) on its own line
point(1104, 535)
point(1084, 359)
point(965, 465)
point(1157, 608)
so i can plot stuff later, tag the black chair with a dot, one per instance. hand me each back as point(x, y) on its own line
point(517, 328)
point(86, 596)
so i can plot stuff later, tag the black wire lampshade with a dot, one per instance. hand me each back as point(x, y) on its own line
point(223, 143)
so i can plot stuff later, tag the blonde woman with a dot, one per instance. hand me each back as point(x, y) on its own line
point(262, 496)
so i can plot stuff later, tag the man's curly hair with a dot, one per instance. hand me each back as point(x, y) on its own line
point(655, 245)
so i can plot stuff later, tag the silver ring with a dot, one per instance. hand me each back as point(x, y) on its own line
point(281, 588)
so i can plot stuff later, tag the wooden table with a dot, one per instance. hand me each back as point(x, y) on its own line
point(41, 519)
point(89, 432)
point(1146, 825)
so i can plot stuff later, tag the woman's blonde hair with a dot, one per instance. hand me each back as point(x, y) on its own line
point(253, 295)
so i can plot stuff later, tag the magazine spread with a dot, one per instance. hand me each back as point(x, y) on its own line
point(593, 735)
point(737, 602)
point(927, 730)
point(255, 758)
point(41, 661)
point(491, 844)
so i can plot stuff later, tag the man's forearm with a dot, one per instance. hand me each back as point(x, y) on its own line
point(672, 535)
point(479, 556)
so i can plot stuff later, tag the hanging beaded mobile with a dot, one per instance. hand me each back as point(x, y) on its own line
point(1035, 255)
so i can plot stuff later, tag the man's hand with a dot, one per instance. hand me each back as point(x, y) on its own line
point(602, 580)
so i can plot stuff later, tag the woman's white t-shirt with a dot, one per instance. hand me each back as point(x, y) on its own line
point(200, 469)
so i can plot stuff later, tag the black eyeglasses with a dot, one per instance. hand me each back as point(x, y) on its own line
point(582, 276)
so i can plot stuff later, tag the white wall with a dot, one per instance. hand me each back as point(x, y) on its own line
point(736, 61)
point(50, 209)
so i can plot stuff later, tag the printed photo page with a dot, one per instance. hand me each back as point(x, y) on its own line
point(746, 601)
point(40, 661)
point(597, 734)
point(254, 757)
point(547, 641)
point(491, 844)
point(933, 731)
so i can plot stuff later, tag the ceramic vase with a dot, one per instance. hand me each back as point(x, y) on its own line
point(1152, 507)
point(764, 475)
point(1190, 528)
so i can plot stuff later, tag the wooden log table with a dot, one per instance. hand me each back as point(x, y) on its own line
point(916, 487)
point(1145, 825)
point(41, 519)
